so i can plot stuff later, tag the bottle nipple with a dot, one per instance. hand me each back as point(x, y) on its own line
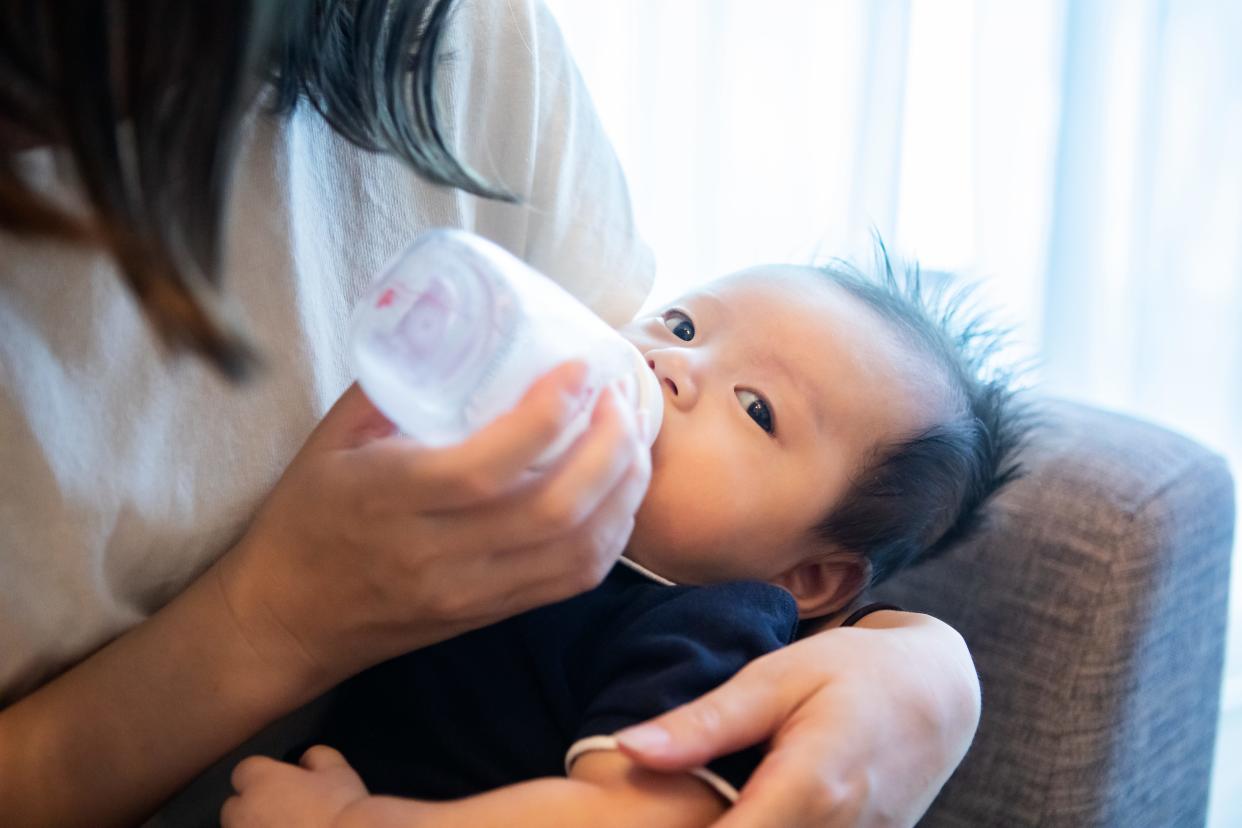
point(642, 389)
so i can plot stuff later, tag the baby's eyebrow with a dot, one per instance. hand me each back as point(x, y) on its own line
point(719, 307)
point(802, 389)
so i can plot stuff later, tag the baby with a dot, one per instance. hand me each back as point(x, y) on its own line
point(822, 430)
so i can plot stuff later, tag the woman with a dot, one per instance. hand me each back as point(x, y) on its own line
point(154, 614)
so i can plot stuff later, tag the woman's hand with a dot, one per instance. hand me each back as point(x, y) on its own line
point(312, 794)
point(372, 545)
point(866, 725)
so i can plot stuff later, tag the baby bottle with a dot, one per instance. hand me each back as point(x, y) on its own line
point(457, 329)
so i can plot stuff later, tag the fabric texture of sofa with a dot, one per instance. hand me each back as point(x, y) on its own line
point(1094, 602)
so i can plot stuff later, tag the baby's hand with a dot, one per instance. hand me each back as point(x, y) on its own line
point(271, 793)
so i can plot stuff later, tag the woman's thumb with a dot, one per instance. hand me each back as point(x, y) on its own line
point(352, 421)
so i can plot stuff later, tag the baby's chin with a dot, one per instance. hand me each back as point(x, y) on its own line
point(654, 557)
point(659, 542)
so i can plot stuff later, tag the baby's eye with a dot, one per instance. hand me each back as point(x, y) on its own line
point(758, 409)
point(679, 324)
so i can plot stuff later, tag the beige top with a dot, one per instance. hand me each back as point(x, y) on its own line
point(124, 474)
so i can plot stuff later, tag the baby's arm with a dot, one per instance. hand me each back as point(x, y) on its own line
point(605, 788)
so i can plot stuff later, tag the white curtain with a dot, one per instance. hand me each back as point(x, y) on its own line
point(1081, 160)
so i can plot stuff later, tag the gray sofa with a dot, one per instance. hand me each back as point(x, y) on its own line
point(1094, 603)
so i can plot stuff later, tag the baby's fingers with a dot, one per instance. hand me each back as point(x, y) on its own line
point(322, 757)
point(251, 770)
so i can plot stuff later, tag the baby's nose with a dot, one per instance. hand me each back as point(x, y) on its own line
point(668, 381)
point(674, 373)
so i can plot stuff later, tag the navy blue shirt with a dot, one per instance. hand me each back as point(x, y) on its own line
point(504, 704)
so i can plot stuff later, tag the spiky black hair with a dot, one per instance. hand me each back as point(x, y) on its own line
point(915, 497)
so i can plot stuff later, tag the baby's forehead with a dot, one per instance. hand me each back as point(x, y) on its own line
point(767, 286)
point(803, 277)
point(853, 339)
point(780, 289)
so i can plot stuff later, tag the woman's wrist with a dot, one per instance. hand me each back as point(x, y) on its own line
point(953, 699)
point(948, 696)
point(868, 609)
point(888, 619)
point(111, 738)
point(933, 704)
point(289, 671)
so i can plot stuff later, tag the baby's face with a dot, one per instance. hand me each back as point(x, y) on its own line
point(776, 384)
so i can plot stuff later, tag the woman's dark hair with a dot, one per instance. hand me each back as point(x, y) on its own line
point(147, 98)
point(914, 498)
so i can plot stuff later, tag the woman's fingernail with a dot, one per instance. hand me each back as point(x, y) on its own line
point(575, 378)
point(643, 421)
point(644, 737)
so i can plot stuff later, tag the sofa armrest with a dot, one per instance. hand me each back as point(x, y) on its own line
point(1094, 601)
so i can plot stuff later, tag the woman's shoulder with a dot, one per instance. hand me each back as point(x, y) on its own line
point(521, 115)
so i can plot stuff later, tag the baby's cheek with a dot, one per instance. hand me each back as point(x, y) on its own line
point(675, 529)
point(694, 507)
point(653, 527)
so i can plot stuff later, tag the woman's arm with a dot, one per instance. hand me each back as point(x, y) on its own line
point(866, 725)
point(369, 546)
point(110, 739)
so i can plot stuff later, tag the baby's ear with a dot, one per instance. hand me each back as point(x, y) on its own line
point(825, 585)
